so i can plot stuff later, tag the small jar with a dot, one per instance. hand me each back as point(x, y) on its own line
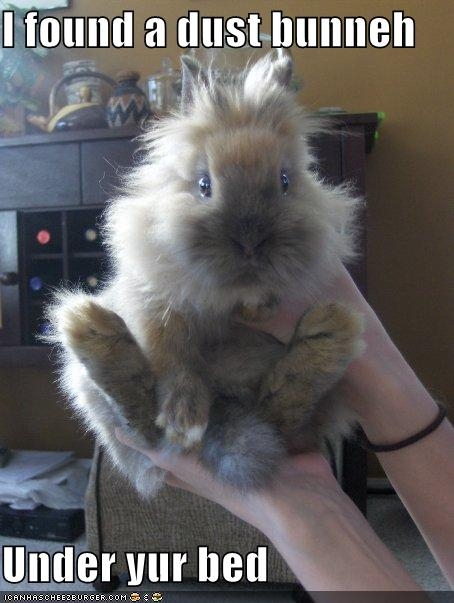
point(128, 104)
point(164, 88)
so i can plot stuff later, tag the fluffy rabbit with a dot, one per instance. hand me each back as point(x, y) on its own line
point(222, 219)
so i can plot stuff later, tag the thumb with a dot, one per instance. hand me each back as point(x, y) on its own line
point(179, 464)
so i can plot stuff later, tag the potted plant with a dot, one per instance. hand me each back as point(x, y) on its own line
point(21, 76)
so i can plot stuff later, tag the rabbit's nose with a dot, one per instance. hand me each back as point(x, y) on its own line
point(247, 247)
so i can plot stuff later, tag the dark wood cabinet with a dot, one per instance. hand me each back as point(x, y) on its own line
point(64, 179)
point(102, 165)
point(328, 150)
point(55, 184)
point(63, 169)
point(39, 176)
point(9, 289)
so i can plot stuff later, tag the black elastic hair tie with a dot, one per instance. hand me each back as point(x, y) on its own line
point(365, 443)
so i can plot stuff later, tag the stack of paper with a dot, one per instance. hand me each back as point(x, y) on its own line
point(55, 479)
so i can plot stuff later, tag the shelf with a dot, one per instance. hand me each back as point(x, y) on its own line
point(369, 120)
point(22, 356)
point(45, 256)
point(75, 136)
point(42, 300)
point(84, 255)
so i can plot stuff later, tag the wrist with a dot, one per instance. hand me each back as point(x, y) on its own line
point(390, 401)
point(294, 511)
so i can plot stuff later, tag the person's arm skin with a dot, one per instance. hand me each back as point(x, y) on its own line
point(393, 404)
point(317, 529)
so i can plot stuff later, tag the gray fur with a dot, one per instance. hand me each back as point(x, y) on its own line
point(240, 448)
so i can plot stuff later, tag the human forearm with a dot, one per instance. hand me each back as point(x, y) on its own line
point(330, 547)
point(422, 473)
point(393, 404)
point(423, 476)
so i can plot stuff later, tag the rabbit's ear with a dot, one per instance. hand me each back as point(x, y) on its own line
point(276, 66)
point(282, 66)
point(192, 76)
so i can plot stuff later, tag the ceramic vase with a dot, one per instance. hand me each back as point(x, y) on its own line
point(128, 104)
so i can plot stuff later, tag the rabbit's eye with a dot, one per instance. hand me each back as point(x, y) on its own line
point(285, 181)
point(205, 186)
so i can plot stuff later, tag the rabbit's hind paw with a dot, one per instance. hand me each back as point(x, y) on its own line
point(89, 330)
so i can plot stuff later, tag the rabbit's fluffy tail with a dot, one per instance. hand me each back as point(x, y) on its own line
point(240, 448)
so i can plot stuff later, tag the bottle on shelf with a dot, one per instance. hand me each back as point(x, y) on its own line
point(91, 235)
point(43, 236)
point(40, 281)
point(36, 283)
point(44, 328)
point(92, 281)
point(42, 232)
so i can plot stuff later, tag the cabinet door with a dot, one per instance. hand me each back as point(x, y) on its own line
point(354, 173)
point(354, 474)
point(103, 163)
point(328, 152)
point(44, 175)
point(341, 158)
point(9, 288)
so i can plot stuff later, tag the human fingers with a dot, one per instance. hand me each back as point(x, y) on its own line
point(183, 467)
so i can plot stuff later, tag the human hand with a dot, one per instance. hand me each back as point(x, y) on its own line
point(301, 488)
point(379, 385)
point(340, 289)
point(312, 523)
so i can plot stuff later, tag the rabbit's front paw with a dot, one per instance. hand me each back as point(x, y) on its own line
point(185, 404)
point(333, 327)
point(88, 329)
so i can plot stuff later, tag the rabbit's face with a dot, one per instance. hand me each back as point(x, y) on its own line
point(249, 226)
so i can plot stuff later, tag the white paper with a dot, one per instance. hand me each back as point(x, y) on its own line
point(61, 488)
point(28, 464)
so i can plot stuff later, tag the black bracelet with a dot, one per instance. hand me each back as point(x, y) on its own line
point(365, 443)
